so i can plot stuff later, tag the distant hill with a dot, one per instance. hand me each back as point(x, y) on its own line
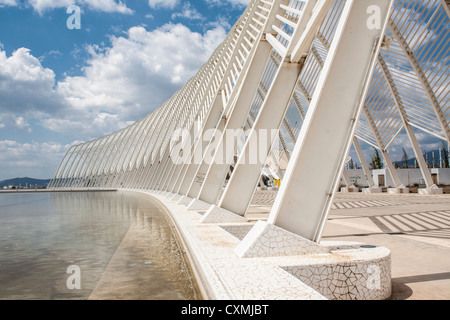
point(24, 182)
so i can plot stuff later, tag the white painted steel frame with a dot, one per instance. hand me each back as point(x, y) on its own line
point(235, 89)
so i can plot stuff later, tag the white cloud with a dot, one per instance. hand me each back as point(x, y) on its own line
point(163, 4)
point(8, 3)
point(22, 124)
point(188, 12)
point(135, 75)
point(37, 160)
point(41, 6)
point(25, 85)
point(12, 121)
point(228, 2)
point(107, 6)
point(120, 83)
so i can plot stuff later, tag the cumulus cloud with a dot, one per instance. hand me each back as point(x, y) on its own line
point(8, 3)
point(107, 6)
point(138, 72)
point(42, 6)
point(120, 84)
point(188, 12)
point(37, 160)
point(163, 4)
point(12, 121)
point(26, 86)
point(228, 2)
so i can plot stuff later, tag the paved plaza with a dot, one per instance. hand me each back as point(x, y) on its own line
point(415, 228)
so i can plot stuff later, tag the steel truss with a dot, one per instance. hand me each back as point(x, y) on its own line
point(322, 74)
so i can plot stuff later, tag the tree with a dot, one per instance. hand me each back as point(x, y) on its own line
point(376, 162)
point(445, 159)
point(351, 164)
point(404, 159)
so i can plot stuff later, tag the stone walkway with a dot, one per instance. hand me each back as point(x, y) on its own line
point(415, 228)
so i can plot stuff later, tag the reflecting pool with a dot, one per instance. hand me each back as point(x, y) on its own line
point(89, 245)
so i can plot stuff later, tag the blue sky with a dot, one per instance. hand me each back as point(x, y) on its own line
point(59, 87)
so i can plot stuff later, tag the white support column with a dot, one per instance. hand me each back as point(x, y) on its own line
point(193, 179)
point(287, 76)
point(399, 187)
point(216, 171)
point(243, 181)
point(349, 185)
point(305, 198)
point(446, 5)
point(162, 151)
point(367, 172)
point(174, 170)
point(57, 176)
point(423, 80)
point(431, 187)
point(194, 174)
point(159, 174)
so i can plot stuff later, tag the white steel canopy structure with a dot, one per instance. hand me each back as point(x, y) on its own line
point(303, 79)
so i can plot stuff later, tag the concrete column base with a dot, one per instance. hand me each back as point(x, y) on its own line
point(434, 189)
point(333, 270)
point(397, 190)
point(168, 195)
point(217, 214)
point(349, 189)
point(267, 240)
point(372, 190)
point(337, 270)
point(196, 204)
point(363, 274)
point(176, 197)
point(185, 200)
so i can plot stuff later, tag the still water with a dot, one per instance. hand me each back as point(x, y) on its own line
point(98, 245)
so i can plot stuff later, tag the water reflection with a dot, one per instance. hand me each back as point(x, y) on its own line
point(121, 242)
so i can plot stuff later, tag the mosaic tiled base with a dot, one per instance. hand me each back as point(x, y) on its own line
point(347, 271)
point(196, 204)
point(268, 240)
point(238, 230)
point(368, 277)
point(218, 215)
point(185, 200)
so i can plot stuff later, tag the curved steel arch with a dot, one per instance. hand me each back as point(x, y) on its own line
point(273, 72)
